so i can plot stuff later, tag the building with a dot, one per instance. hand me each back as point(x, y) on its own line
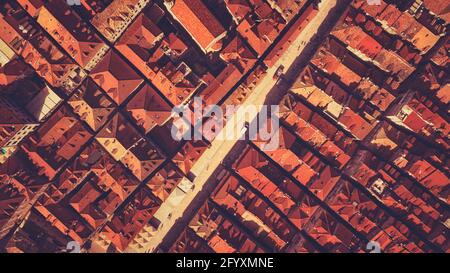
point(15, 124)
point(199, 22)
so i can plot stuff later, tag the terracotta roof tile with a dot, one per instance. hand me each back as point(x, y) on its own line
point(114, 76)
point(193, 16)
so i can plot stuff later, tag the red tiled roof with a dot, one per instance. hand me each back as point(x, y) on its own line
point(142, 159)
point(239, 54)
point(252, 37)
point(69, 31)
point(198, 21)
point(91, 104)
point(439, 7)
point(238, 8)
point(148, 108)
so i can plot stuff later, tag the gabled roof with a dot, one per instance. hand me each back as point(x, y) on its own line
point(439, 7)
point(325, 182)
point(74, 35)
point(188, 155)
point(245, 28)
point(91, 104)
point(84, 199)
point(142, 159)
point(13, 70)
point(141, 36)
point(127, 222)
point(239, 54)
point(118, 136)
point(176, 44)
point(238, 8)
point(356, 38)
point(198, 20)
point(355, 123)
point(165, 181)
point(115, 77)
